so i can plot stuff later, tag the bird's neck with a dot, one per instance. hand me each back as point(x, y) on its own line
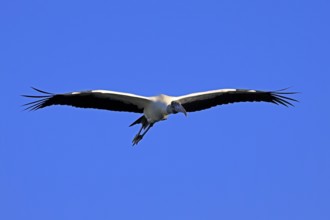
point(169, 110)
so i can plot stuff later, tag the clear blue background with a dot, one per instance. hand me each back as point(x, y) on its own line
point(242, 161)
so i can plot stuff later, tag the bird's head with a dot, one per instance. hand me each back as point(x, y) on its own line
point(176, 107)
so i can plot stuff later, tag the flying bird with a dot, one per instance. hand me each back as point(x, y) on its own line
point(156, 108)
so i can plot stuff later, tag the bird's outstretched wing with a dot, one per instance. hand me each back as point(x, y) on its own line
point(99, 99)
point(203, 100)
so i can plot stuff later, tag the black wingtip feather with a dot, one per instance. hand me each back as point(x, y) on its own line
point(279, 98)
point(41, 91)
point(40, 103)
point(35, 96)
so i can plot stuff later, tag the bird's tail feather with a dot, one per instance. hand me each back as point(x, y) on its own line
point(142, 120)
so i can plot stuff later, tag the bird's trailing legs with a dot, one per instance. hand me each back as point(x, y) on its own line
point(139, 137)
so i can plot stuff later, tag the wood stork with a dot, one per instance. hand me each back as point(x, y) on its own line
point(156, 108)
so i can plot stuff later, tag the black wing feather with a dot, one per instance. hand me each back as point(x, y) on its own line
point(86, 99)
point(240, 95)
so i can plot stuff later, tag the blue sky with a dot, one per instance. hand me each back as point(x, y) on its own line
point(242, 161)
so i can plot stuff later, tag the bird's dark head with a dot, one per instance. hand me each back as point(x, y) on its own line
point(176, 107)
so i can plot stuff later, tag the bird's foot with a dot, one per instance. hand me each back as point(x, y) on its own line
point(137, 139)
